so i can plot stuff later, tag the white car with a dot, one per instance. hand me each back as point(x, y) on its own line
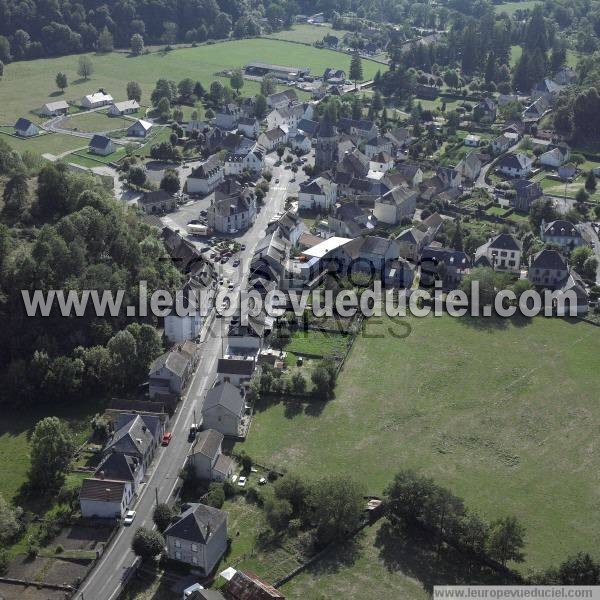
point(242, 481)
point(129, 517)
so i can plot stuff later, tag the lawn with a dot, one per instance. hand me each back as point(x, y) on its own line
point(316, 343)
point(95, 122)
point(504, 414)
point(307, 33)
point(53, 143)
point(554, 187)
point(511, 7)
point(27, 85)
point(87, 159)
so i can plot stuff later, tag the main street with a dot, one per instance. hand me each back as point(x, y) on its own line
point(117, 564)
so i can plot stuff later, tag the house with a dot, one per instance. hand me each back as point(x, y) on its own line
point(308, 127)
point(399, 136)
point(154, 422)
point(485, 111)
point(472, 140)
point(139, 129)
point(381, 162)
point(246, 340)
point(397, 204)
point(378, 144)
point(53, 109)
point(119, 109)
point(411, 172)
point(282, 99)
point(548, 268)
point(104, 498)
point(334, 75)
point(399, 274)
point(300, 143)
point(504, 141)
point(25, 128)
point(574, 283)
point(514, 165)
point(227, 118)
point(232, 208)
point(555, 157)
point(253, 161)
point(411, 242)
point(247, 586)
point(249, 126)
point(289, 116)
point(169, 374)
point(272, 139)
point(561, 233)
point(502, 253)
point(470, 166)
point(526, 193)
point(207, 459)
point(101, 145)
point(96, 100)
point(450, 177)
point(196, 126)
point(546, 89)
point(358, 129)
point(224, 408)
point(565, 76)
point(235, 370)
point(348, 219)
point(121, 467)
point(567, 171)
point(206, 177)
point(456, 264)
point(134, 439)
point(158, 201)
point(198, 537)
point(535, 111)
point(287, 73)
point(319, 193)
point(371, 254)
point(290, 225)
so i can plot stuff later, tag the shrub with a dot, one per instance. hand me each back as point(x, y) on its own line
point(59, 549)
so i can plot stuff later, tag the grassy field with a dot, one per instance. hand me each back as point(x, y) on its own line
point(511, 7)
point(316, 343)
point(307, 33)
point(27, 85)
point(54, 143)
point(504, 414)
point(95, 122)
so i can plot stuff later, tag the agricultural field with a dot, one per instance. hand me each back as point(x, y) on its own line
point(315, 343)
point(511, 7)
point(95, 122)
point(29, 84)
point(52, 143)
point(307, 33)
point(524, 431)
point(556, 187)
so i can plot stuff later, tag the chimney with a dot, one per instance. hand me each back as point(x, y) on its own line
point(101, 474)
point(144, 428)
point(208, 530)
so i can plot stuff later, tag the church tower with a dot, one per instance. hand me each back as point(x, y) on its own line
point(326, 151)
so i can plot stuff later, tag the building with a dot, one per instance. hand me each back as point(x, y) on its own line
point(223, 409)
point(411, 242)
point(260, 69)
point(515, 165)
point(456, 264)
point(561, 233)
point(104, 498)
point(555, 157)
point(248, 586)
point(326, 147)
point(548, 268)
point(101, 145)
point(227, 118)
point(54, 109)
point(281, 99)
point(249, 126)
point(359, 129)
point(169, 374)
point(235, 370)
point(207, 459)
point(567, 171)
point(198, 537)
point(121, 467)
point(546, 89)
point(232, 208)
point(317, 194)
point(96, 100)
point(134, 439)
point(378, 144)
point(289, 116)
point(472, 140)
point(139, 129)
point(25, 128)
point(127, 107)
point(504, 141)
point(397, 204)
point(502, 253)
point(205, 178)
point(300, 143)
point(470, 166)
point(273, 138)
point(253, 162)
point(526, 193)
point(158, 201)
point(485, 111)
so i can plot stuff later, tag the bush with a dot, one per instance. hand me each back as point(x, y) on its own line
point(162, 516)
point(59, 549)
point(228, 489)
point(3, 562)
point(272, 476)
point(216, 495)
point(32, 547)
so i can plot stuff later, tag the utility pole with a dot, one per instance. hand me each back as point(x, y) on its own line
point(156, 494)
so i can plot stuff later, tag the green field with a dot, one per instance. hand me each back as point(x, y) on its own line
point(53, 143)
point(511, 7)
point(307, 33)
point(316, 343)
point(94, 122)
point(504, 414)
point(29, 84)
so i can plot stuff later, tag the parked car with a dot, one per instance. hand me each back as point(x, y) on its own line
point(129, 517)
point(236, 262)
point(166, 439)
point(242, 481)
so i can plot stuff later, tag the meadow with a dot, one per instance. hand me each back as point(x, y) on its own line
point(307, 33)
point(503, 413)
point(511, 7)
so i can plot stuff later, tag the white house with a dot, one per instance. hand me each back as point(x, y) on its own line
point(273, 138)
point(472, 140)
point(102, 145)
point(237, 163)
point(223, 409)
point(25, 128)
point(205, 178)
point(235, 370)
point(231, 210)
point(502, 253)
point(249, 126)
point(140, 129)
point(561, 233)
point(281, 99)
point(104, 498)
point(318, 193)
point(555, 157)
point(515, 165)
point(504, 141)
point(207, 458)
point(198, 537)
point(169, 374)
point(119, 109)
point(300, 143)
point(378, 144)
point(53, 109)
point(96, 100)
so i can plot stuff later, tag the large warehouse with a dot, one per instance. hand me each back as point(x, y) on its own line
point(259, 69)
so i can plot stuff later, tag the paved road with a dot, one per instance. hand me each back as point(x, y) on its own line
point(481, 182)
point(118, 562)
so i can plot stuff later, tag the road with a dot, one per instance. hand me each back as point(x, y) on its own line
point(481, 182)
point(118, 562)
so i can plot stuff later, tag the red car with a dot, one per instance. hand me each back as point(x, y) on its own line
point(166, 438)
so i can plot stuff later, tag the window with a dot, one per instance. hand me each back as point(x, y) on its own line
point(178, 555)
point(177, 544)
point(194, 560)
point(194, 547)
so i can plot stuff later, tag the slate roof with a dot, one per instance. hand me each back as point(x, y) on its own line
point(327, 129)
point(226, 395)
point(412, 235)
point(208, 443)
point(152, 422)
point(126, 105)
point(133, 437)
point(102, 490)
point(308, 126)
point(235, 366)
point(514, 161)
point(118, 467)
point(174, 361)
point(506, 241)
point(22, 124)
point(100, 142)
point(548, 259)
point(197, 523)
point(247, 586)
point(449, 256)
point(561, 228)
point(289, 95)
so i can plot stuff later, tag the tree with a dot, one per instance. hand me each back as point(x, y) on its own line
point(61, 81)
point(10, 524)
point(580, 569)
point(222, 26)
point(268, 85)
point(162, 516)
point(137, 44)
point(486, 278)
point(260, 106)
point(170, 181)
point(236, 80)
point(278, 513)
point(337, 507)
point(164, 109)
point(590, 182)
point(293, 489)
point(506, 540)
point(457, 237)
point(356, 69)
point(541, 210)
point(216, 495)
point(186, 89)
point(169, 35)
point(147, 543)
point(51, 451)
point(105, 41)
point(216, 92)
point(85, 67)
point(323, 381)
point(134, 91)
